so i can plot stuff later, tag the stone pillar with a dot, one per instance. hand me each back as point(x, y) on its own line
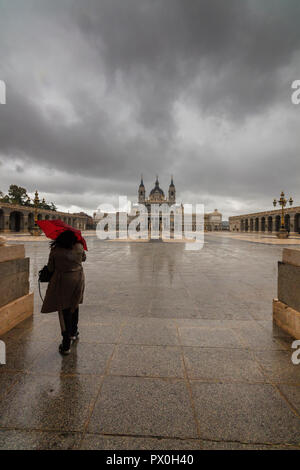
point(292, 223)
point(6, 222)
point(25, 222)
point(16, 302)
point(286, 309)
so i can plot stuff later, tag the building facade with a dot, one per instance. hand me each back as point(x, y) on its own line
point(156, 203)
point(17, 218)
point(212, 220)
point(268, 221)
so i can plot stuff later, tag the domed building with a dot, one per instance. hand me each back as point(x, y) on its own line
point(156, 195)
point(212, 220)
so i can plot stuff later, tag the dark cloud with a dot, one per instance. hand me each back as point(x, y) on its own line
point(100, 91)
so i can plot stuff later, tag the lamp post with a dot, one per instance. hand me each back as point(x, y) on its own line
point(36, 231)
point(282, 233)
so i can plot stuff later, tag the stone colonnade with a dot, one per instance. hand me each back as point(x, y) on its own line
point(266, 221)
point(14, 218)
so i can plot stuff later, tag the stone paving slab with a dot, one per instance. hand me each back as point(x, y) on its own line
point(36, 440)
point(87, 358)
point(278, 366)
point(48, 403)
point(219, 445)
point(99, 333)
point(137, 334)
point(209, 337)
point(97, 442)
point(292, 393)
point(219, 364)
point(245, 413)
point(147, 361)
point(149, 407)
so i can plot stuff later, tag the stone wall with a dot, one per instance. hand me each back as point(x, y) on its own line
point(16, 302)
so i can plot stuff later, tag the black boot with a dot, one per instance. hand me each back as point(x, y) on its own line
point(64, 347)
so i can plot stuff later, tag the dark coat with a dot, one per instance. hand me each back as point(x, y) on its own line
point(66, 287)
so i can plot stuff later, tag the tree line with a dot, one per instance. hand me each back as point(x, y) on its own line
point(18, 195)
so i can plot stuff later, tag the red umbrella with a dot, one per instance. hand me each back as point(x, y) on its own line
point(53, 228)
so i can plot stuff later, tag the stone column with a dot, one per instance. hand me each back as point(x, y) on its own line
point(25, 222)
point(292, 223)
point(6, 222)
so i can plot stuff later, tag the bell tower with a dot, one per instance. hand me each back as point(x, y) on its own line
point(141, 191)
point(172, 192)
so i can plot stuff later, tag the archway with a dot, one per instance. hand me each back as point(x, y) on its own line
point(47, 217)
point(40, 217)
point(270, 223)
point(251, 225)
point(263, 224)
point(297, 223)
point(287, 222)
point(16, 221)
point(277, 223)
point(256, 224)
point(246, 225)
point(242, 225)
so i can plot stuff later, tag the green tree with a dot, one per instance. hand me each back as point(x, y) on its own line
point(17, 195)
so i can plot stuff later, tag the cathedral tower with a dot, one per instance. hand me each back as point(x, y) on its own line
point(172, 192)
point(141, 191)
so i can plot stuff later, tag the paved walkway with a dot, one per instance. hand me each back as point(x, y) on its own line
point(177, 351)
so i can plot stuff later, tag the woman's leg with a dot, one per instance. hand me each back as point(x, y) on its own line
point(75, 322)
point(65, 318)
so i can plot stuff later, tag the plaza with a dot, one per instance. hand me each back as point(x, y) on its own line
point(177, 350)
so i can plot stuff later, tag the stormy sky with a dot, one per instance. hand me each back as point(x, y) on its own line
point(100, 91)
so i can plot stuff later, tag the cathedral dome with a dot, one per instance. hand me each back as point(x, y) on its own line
point(157, 191)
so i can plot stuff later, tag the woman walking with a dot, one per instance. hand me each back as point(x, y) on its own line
point(66, 286)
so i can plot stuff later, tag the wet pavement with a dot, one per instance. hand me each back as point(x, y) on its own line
point(177, 350)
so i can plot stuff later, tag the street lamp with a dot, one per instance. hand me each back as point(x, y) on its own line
point(36, 231)
point(282, 233)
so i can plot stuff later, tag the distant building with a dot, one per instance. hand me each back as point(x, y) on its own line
point(89, 221)
point(156, 197)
